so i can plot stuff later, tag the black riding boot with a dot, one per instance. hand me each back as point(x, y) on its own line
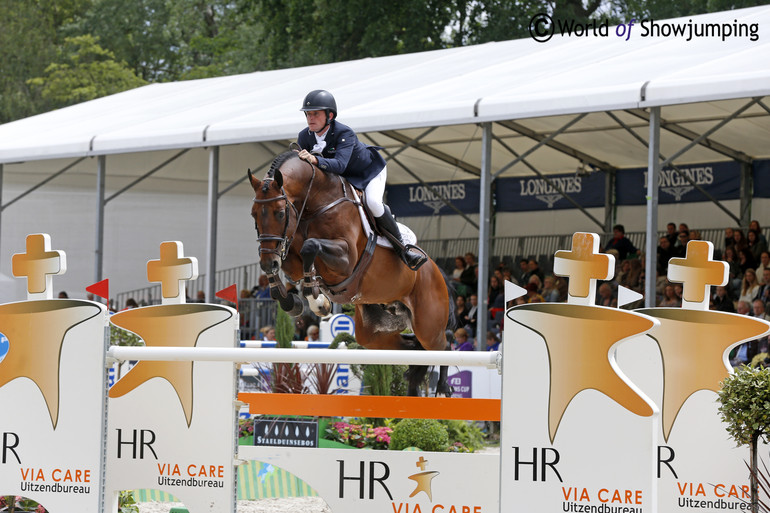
point(410, 257)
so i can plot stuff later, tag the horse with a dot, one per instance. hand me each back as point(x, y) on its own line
point(308, 225)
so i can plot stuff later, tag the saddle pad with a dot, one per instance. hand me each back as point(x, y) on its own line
point(407, 235)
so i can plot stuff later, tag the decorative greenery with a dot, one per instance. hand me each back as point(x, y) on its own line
point(464, 434)
point(284, 329)
point(426, 434)
point(245, 427)
point(121, 337)
point(363, 436)
point(18, 504)
point(127, 502)
point(744, 400)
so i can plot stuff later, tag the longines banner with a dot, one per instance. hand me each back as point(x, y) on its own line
point(426, 200)
point(720, 179)
point(522, 194)
point(762, 178)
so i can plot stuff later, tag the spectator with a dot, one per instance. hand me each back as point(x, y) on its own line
point(739, 241)
point(632, 278)
point(746, 260)
point(131, 303)
point(729, 234)
point(493, 341)
point(764, 289)
point(468, 277)
point(734, 268)
point(754, 225)
point(524, 271)
point(620, 243)
point(606, 296)
point(671, 234)
point(462, 341)
point(722, 301)
point(262, 289)
point(532, 294)
point(764, 263)
point(63, 295)
point(743, 354)
point(669, 299)
point(461, 308)
point(200, 297)
point(267, 333)
point(665, 253)
point(469, 320)
point(749, 286)
point(313, 333)
point(495, 289)
point(534, 270)
point(758, 307)
point(684, 228)
point(457, 273)
point(756, 246)
point(549, 292)
point(682, 239)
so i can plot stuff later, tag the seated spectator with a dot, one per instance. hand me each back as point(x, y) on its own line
point(722, 301)
point(549, 291)
point(729, 233)
point(457, 273)
point(469, 320)
point(764, 263)
point(665, 253)
point(756, 246)
point(534, 270)
point(620, 243)
point(759, 310)
point(743, 354)
point(462, 341)
point(493, 341)
point(754, 225)
point(262, 289)
point(632, 278)
point(764, 290)
point(739, 240)
point(749, 286)
point(669, 299)
point(671, 234)
point(682, 240)
point(746, 260)
point(468, 277)
point(606, 297)
point(734, 269)
point(267, 333)
point(523, 271)
point(495, 289)
point(313, 333)
point(461, 308)
point(532, 294)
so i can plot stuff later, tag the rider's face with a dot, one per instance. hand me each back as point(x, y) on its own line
point(316, 119)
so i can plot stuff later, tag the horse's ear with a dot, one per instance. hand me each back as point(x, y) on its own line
point(254, 181)
point(278, 178)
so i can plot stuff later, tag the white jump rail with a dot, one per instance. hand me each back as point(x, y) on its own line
point(488, 359)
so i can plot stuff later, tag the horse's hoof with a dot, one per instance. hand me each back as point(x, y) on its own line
point(320, 306)
point(297, 308)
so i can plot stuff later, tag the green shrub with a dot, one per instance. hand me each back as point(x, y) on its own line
point(465, 433)
point(427, 434)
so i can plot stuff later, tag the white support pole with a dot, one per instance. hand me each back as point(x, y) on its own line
point(653, 172)
point(211, 238)
point(485, 207)
point(487, 359)
point(101, 172)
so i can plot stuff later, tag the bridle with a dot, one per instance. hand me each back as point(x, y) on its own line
point(284, 242)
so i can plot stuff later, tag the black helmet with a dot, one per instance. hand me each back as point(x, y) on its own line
point(319, 100)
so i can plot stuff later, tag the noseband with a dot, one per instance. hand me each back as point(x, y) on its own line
point(284, 242)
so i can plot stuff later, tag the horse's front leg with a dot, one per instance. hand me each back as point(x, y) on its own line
point(334, 255)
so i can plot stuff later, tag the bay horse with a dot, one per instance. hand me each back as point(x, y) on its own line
point(308, 225)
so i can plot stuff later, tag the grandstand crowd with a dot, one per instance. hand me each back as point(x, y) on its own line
point(747, 291)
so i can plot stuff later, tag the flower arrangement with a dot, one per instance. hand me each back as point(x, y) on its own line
point(363, 436)
point(18, 503)
point(245, 427)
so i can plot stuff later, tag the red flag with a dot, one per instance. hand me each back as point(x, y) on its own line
point(101, 289)
point(229, 294)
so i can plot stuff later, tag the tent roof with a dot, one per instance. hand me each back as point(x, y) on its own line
point(533, 87)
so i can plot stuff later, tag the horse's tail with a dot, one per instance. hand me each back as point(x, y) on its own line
point(452, 321)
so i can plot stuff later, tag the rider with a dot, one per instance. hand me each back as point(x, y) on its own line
point(335, 148)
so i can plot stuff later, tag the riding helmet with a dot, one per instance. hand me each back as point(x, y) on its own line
point(319, 100)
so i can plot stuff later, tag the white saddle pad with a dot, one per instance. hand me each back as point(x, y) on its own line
point(407, 235)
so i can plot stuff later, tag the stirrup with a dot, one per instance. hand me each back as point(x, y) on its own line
point(423, 257)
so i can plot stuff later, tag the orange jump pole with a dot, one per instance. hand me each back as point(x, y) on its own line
point(372, 406)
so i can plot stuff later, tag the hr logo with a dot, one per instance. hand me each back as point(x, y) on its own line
point(140, 438)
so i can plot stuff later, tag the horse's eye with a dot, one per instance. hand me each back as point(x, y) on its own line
point(279, 215)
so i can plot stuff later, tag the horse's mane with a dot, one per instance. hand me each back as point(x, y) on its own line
point(277, 163)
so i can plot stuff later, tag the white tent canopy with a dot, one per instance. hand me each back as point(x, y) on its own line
point(441, 111)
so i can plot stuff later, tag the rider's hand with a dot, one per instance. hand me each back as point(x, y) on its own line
point(308, 157)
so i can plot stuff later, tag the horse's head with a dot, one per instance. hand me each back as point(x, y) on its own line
point(272, 212)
